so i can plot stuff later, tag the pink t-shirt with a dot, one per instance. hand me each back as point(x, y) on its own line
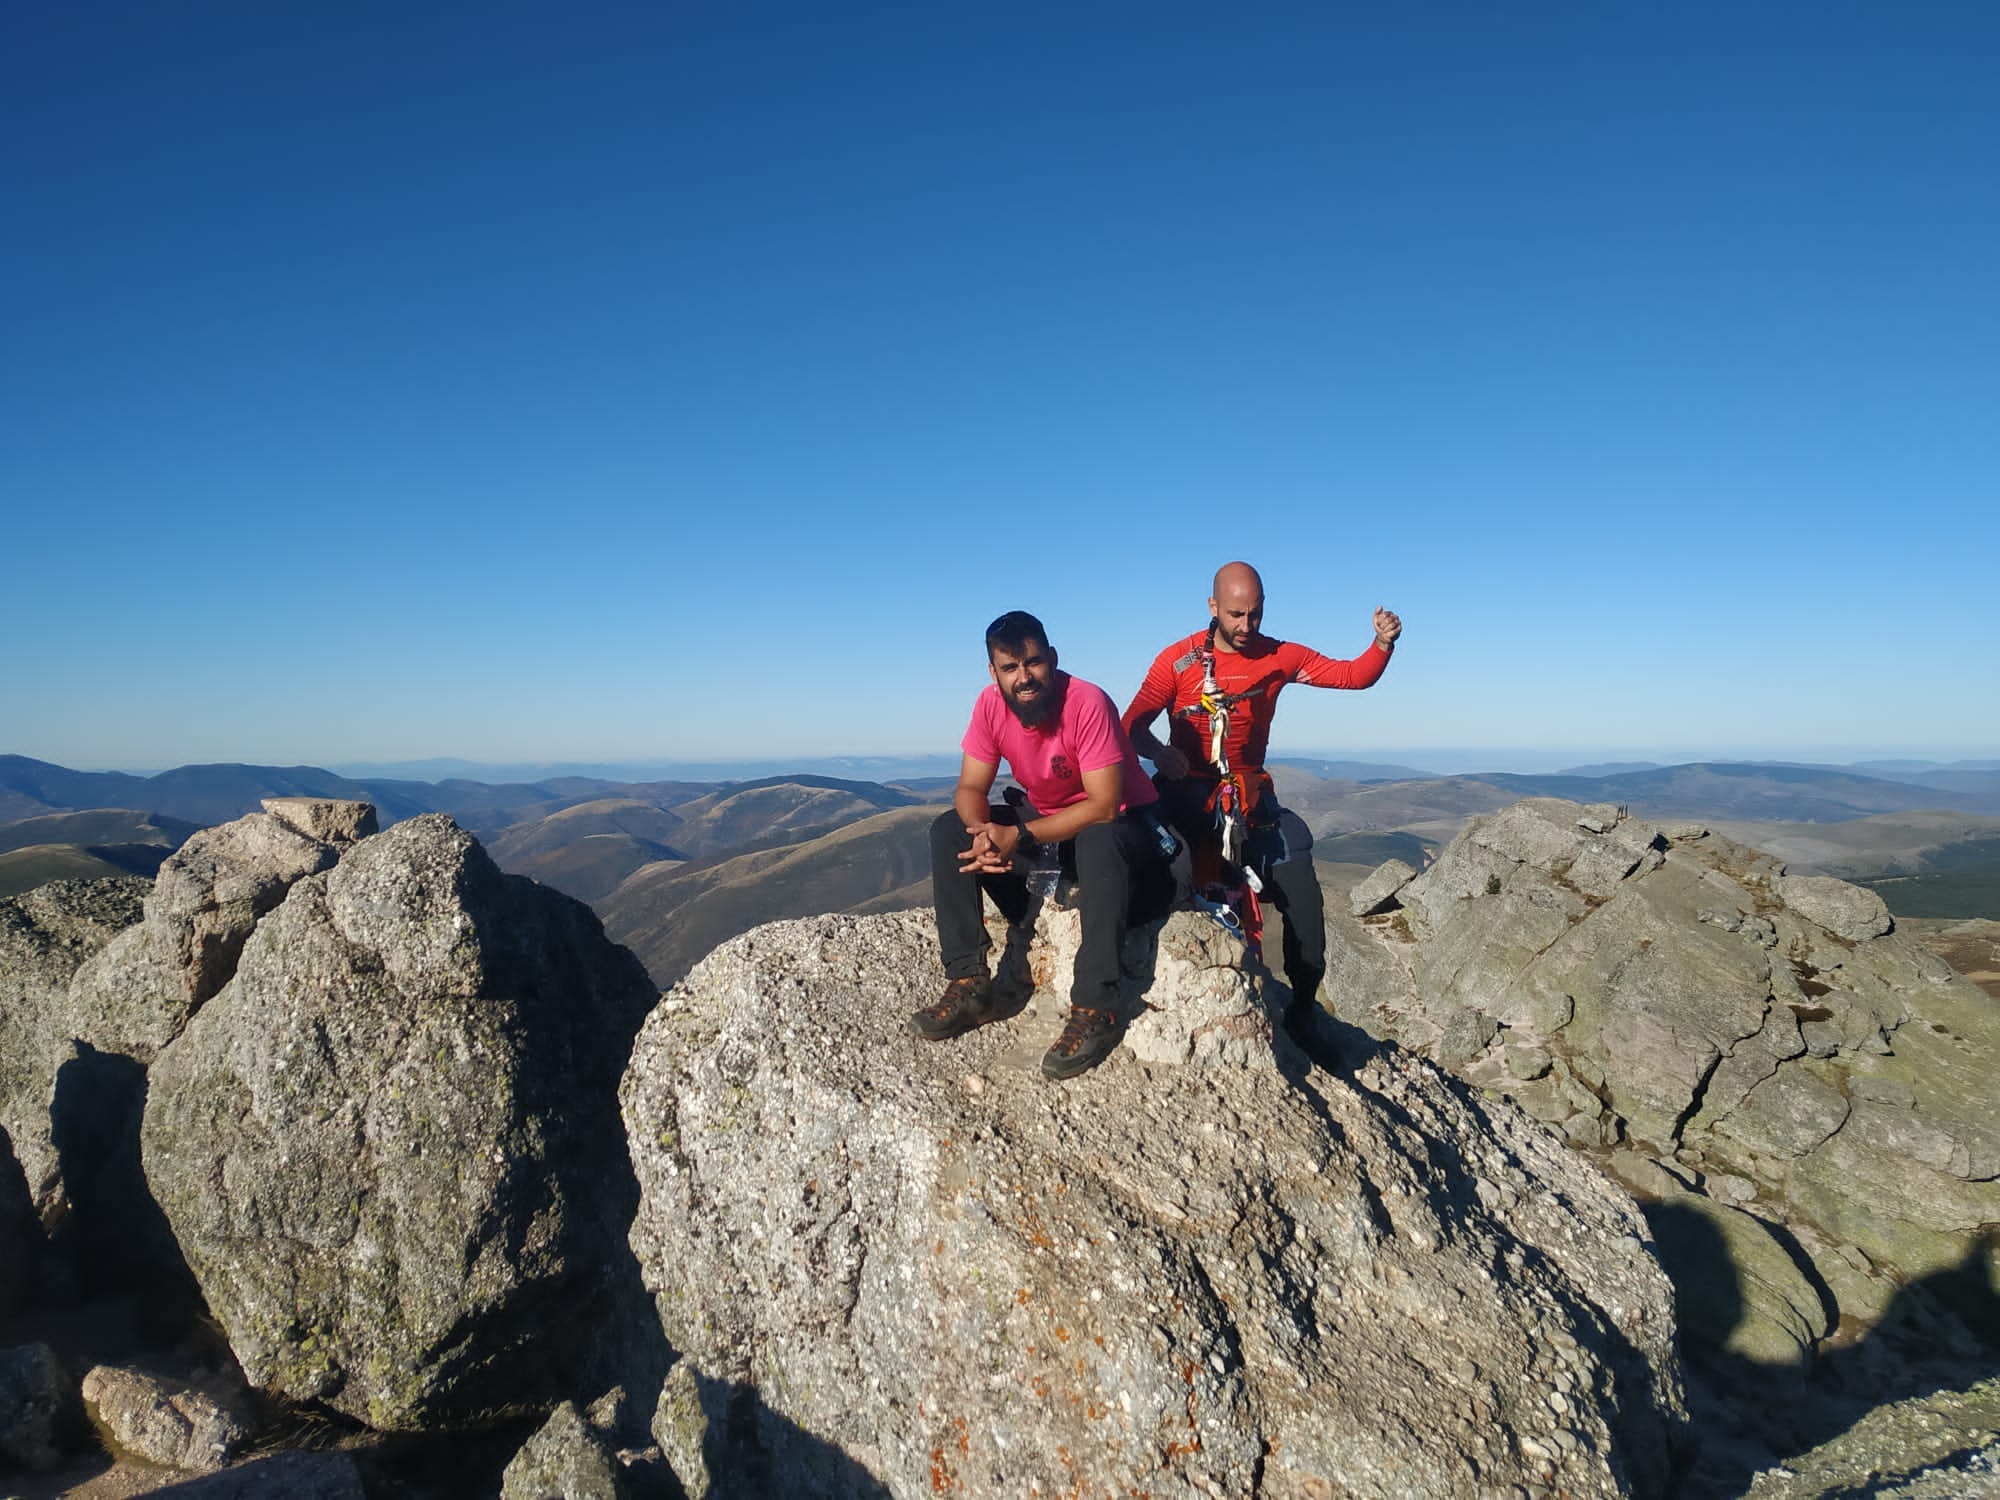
point(1049, 762)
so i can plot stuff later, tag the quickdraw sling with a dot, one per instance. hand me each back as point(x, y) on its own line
point(1230, 801)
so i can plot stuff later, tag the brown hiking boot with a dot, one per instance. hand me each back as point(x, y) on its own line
point(1087, 1037)
point(965, 1003)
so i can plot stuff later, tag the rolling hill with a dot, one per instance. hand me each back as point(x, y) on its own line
point(672, 916)
point(587, 851)
point(780, 810)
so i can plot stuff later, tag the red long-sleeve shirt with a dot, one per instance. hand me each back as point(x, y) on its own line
point(1174, 683)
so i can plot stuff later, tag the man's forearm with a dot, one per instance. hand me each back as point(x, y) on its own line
point(971, 805)
point(1068, 822)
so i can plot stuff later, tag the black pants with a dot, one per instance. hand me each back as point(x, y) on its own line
point(1121, 877)
point(1280, 851)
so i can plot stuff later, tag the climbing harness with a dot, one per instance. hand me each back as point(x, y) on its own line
point(1231, 799)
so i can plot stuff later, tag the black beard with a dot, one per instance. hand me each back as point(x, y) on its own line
point(1046, 706)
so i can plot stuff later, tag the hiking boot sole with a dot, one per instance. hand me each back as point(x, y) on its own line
point(1101, 1044)
point(923, 1026)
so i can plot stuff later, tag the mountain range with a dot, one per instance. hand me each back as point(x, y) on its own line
point(676, 866)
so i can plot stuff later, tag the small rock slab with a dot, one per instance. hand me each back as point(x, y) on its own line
point(1848, 911)
point(565, 1460)
point(165, 1422)
point(1377, 891)
point(328, 819)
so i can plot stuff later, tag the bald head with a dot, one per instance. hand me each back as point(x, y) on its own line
point(1237, 605)
point(1236, 575)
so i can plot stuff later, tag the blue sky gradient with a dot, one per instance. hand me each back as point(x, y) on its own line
point(634, 382)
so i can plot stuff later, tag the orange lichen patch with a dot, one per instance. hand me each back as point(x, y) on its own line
point(1062, 1187)
point(1024, 1295)
point(1187, 1372)
point(1039, 1386)
point(1180, 1450)
point(1097, 1411)
point(942, 1479)
point(964, 1436)
point(1062, 1455)
point(1098, 1339)
point(1037, 1235)
point(1062, 1333)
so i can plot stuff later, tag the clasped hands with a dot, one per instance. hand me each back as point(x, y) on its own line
point(992, 851)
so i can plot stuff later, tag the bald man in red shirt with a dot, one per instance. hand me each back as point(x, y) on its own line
point(1219, 689)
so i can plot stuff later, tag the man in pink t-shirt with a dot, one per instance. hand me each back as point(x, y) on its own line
point(1089, 797)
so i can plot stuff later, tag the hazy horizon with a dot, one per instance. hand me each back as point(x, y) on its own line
point(1441, 761)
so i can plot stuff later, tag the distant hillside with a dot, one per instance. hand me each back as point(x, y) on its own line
point(1436, 806)
point(1350, 770)
point(1905, 843)
point(38, 864)
point(1976, 780)
point(589, 850)
point(1766, 792)
point(91, 845)
point(781, 810)
point(29, 788)
point(101, 825)
point(1371, 849)
point(202, 795)
point(672, 916)
point(1962, 895)
point(210, 794)
point(488, 809)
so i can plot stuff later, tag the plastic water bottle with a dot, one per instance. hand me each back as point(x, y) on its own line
point(1045, 870)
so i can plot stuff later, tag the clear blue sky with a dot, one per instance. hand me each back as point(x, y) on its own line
point(511, 382)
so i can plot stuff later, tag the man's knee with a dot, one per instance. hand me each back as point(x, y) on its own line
point(949, 838)
point(1100, 850)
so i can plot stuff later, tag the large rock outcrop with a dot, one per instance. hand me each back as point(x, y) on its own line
point(1766, 1039)
point(97, 976)
point(389, 1146)
point(46, 935)
point(1204, 1268)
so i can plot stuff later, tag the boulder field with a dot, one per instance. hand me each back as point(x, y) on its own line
point(1800, 1091)
point(436, 1156)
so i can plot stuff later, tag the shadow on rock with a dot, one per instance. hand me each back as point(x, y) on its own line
point(1941, 1333)
point(748, 1449)
point(115, 1235)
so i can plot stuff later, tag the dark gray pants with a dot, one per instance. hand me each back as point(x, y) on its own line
point(1280, 851)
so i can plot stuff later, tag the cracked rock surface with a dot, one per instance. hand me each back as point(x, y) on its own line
point(1205, 1267)
point(1768, 1038)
